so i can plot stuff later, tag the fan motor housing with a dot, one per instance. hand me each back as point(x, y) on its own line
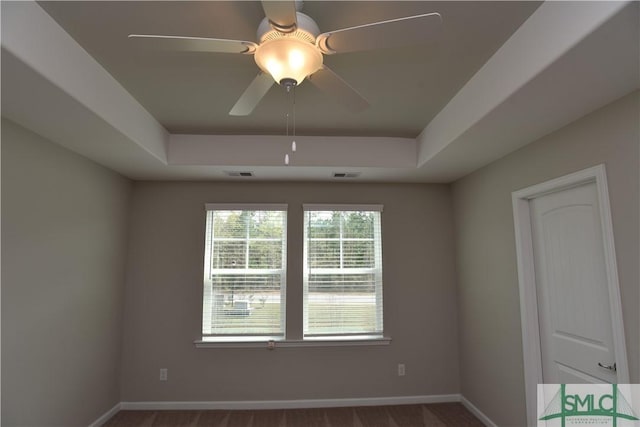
point(307, 30)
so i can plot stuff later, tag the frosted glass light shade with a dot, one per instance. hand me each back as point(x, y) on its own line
point(288, 58)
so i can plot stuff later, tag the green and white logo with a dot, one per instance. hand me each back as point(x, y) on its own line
point(564, 405)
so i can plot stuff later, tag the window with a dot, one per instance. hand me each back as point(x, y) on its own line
point(244, 271)
point(342, 271)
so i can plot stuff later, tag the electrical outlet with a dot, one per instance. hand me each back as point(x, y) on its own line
point(401, 371)
point(164, 372)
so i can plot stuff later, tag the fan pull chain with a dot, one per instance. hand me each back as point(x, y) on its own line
point(293, 144)
point(286, 156)
point(292, 96)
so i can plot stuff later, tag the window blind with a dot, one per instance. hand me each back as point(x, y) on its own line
point(244, 271)
point(342, 272)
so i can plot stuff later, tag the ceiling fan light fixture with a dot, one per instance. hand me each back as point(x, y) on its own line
point(288, 58)
point(290, 48)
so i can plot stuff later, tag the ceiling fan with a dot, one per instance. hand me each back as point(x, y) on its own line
point(291, 48)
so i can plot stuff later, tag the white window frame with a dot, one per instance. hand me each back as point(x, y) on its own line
point(273, 342)
point(208, 272)
point(376, 270)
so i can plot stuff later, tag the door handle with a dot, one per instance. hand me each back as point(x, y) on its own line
point(609, 367)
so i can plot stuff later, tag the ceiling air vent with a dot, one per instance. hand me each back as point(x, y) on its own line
point(346, 174)
point(238, 173)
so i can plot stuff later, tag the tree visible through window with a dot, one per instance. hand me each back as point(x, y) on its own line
point(245, 271)
point(342, 272)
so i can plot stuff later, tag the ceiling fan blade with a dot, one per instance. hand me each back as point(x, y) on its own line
point(252, 95)
point(193, 44)
point(379, 35)
point(329, 82)
point(281, 14)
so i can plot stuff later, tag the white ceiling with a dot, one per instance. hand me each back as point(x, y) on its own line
point(500, 75)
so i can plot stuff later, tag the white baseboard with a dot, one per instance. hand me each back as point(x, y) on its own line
point(477, 412)
point(106, 416)
point(292, 404)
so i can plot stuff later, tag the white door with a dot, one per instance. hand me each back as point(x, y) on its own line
point(571, 284)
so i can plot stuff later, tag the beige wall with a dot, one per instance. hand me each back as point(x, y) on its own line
point(164, 300)
point(63, 251)
point(491, 367)
point(64, 224)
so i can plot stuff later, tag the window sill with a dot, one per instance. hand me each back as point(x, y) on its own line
point(283, 343)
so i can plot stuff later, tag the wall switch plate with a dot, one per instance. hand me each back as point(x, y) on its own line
point(401, 371)
point(163, 374)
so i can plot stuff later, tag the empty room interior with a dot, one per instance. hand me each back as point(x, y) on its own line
point(384, 213)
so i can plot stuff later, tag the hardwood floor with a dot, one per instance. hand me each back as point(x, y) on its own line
point(432, 415)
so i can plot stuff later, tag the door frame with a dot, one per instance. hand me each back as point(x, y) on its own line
point(531, 351)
